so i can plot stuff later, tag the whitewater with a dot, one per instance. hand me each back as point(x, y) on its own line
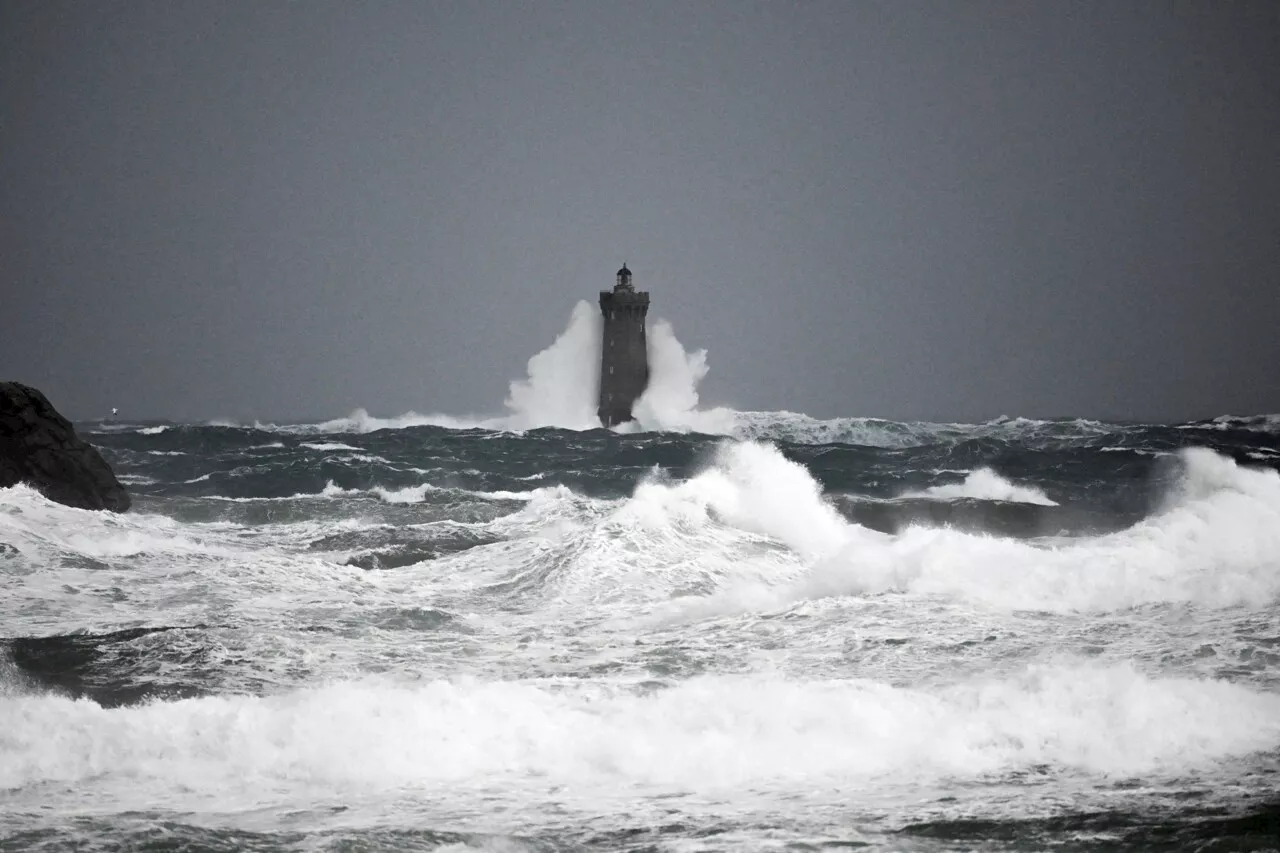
point(709, 630)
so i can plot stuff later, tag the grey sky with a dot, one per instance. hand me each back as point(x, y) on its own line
point(900, 209)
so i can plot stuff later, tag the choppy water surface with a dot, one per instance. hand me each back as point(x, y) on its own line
point(1015, 635)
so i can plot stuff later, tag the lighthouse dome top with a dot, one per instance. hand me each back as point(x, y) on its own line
point(624, 278)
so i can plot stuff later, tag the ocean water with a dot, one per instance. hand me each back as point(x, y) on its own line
point(716, 631)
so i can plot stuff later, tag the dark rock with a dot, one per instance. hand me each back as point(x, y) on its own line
point(38, 446)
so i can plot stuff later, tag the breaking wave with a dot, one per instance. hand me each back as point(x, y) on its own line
point(706, 734)
point(1215, 544)
point(755, 531)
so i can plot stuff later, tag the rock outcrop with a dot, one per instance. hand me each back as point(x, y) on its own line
point(39, 447)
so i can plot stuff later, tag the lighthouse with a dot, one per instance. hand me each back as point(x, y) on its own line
point(624, 354)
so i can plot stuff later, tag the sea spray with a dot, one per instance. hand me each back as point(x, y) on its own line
point(670, 403)
point(561, 387)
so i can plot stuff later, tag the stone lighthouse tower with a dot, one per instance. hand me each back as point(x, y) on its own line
point(624, 358)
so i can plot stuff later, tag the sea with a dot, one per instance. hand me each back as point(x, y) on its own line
point(713, 630)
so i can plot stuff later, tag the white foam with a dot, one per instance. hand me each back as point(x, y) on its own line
point(331, 490)
point(360, 421)
point(47, 529)
point(803, 429)
point(707, 734)
point(1138, 451)
point(84, 569)
point(406, 495)
point(328, 445)
point(506, 495)
point(985, 484)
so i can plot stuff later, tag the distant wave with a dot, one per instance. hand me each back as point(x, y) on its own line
point(405, 495)
point(793, 427)
point(985, 484)
point(745, 425)
point(1252, 423)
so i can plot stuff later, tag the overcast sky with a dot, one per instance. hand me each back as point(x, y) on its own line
point(944, 210)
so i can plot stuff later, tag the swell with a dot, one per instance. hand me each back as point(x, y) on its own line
point(1240, 826)
point(113, 669)
point(392, 546)
point(1094, 468)
point(604, 466)
point(1012, 519)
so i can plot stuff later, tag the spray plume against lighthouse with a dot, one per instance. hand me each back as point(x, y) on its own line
point(624, 354)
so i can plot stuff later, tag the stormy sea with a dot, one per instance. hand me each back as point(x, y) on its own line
point(713, 630)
